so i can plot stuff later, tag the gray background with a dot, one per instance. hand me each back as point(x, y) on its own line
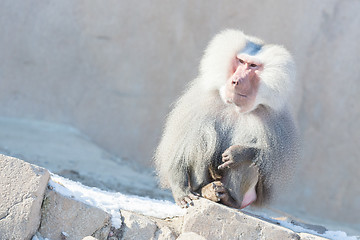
point(112, 69)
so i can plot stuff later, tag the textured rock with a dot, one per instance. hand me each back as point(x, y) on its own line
point(307, 236)
point(89, 238)
point(214, 221)
point(164, 233)
point(137, 227)
point(64, 216)
point(22, 188)
point(190, 236)
point(114, 234)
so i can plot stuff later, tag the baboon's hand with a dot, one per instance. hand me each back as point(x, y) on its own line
point(215, 192)
point(231, 156)
point(187, 200)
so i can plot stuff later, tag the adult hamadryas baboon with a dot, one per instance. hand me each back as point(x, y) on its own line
point(230, 136)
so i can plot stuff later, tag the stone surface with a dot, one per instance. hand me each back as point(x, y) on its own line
point(89, 238)
point(190, 236)
point(22, 188)
point(114, 234)
point(215, 221)
point(64, 216)
point(307, 236)
point(164, 233)
point(137, 227)
point(108, 69)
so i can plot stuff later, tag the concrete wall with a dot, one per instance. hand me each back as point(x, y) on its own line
point(113, 68)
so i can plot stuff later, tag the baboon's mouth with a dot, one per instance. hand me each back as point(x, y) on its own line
point(241, 95)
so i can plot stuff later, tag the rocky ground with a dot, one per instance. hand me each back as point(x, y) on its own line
point(30, 208)
point(29, 205)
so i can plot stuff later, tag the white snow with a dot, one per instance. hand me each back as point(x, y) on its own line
point(112, 202)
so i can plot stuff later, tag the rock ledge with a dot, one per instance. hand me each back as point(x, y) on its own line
point(29, 207)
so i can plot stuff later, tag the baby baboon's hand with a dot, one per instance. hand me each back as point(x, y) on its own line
point(231, 156)
point(236, 154)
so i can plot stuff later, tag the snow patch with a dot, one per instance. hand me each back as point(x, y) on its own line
point(112, 202)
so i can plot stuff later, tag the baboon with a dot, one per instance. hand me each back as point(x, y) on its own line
point(230, 136)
